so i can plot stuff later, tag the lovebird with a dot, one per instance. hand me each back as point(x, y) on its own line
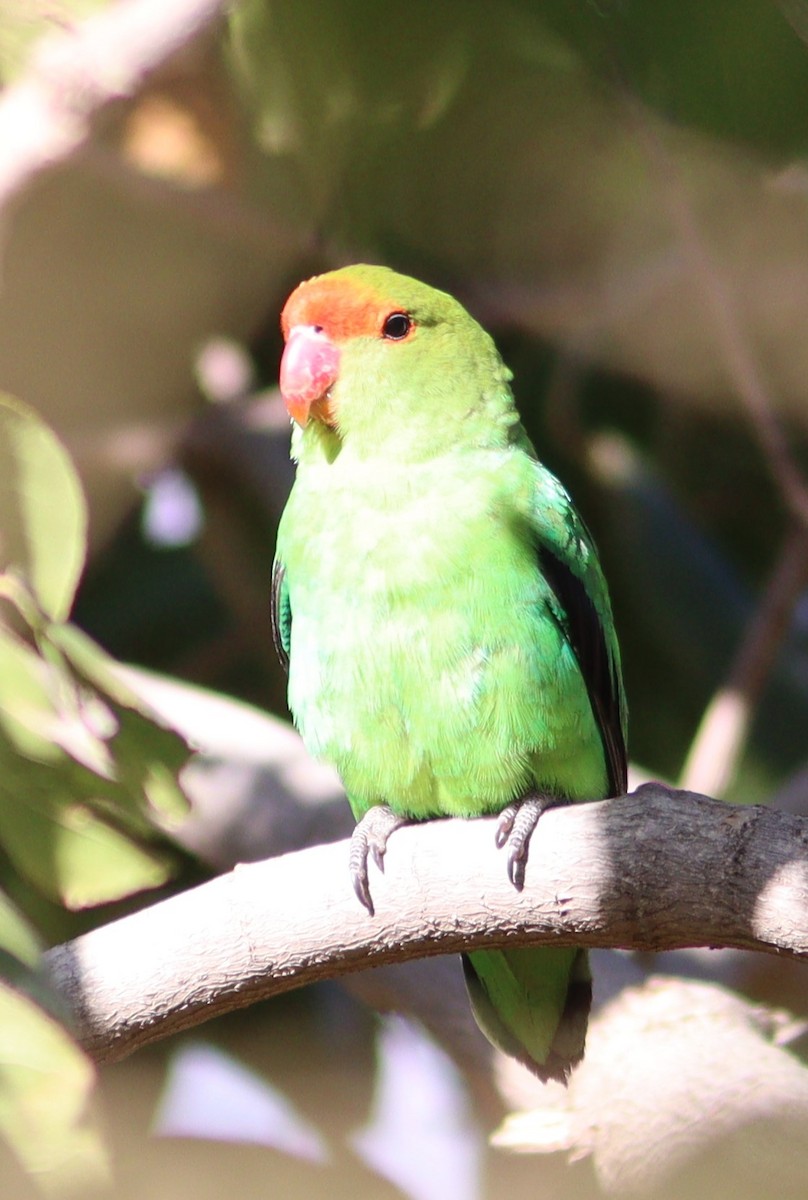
point(441, 611)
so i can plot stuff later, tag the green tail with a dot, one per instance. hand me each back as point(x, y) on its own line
point(533, 1005)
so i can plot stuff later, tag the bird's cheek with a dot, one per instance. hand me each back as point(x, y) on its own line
point(309, 368)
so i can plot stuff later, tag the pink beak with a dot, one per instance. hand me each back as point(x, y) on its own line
point(309, 367)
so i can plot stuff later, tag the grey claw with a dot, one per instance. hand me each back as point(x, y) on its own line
point(516, 870)
point(358, 867)
point(369, 839)
point(362, 889)
point(505, 824)
point(515, 828)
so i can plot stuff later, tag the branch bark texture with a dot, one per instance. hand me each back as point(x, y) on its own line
point(655, 870)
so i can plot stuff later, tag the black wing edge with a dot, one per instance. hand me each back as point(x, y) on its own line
point(280, 614)
point(585, 633)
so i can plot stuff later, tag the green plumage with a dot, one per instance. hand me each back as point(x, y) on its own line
point(448, 629)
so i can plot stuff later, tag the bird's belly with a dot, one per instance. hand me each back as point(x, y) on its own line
point(445, 701)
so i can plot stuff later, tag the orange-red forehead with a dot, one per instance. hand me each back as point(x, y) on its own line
point(343, 308)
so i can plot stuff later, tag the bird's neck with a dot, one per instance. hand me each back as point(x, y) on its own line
point(490, 422)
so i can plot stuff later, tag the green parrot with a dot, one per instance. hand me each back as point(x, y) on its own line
point(440, 608)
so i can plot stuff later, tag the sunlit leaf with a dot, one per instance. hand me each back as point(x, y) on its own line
point(43, 515)
point(16, 935)
point(43, 708)
point(45, 1086)
point(93, 662)
point(83, 728)
point(166, 798)
point(148, 756)
point(86, 781)
point(27, 713)
point(72, 854)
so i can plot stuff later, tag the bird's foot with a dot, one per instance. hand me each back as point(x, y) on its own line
point(515, 829)
point(369, 839)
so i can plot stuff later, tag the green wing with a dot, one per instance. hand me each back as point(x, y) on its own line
point(533, 1004)
point(569, 562)
point(281, 614)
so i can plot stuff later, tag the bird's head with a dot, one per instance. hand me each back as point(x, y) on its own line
point(370, 352)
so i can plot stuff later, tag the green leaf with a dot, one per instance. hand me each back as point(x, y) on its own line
point(70, 852)
point(43, 515)
point(95, 665)
point(148, 756)
point(16, 935)
point(166, 798)
point(45, 1086)
point(87, 783)
point(45, 1080)
point(149, 759)
point(27, 712)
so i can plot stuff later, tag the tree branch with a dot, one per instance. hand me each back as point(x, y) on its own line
point(75, 76)
point(655, 870)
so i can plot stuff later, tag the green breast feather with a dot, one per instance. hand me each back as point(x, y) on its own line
point(414, 639)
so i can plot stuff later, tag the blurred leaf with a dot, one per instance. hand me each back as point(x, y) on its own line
point(16, 935)
point(165, 796)
point(45, 1086)
point(85, 781)
point(71, 853)
point(95, 665)
point(45, 1079)
point(84, 726)
point(27, 712)
point(148, 755)
point(88, 776)
point(42, 509)
point(318, 116)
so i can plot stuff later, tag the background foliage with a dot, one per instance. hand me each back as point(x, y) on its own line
point(619, 191)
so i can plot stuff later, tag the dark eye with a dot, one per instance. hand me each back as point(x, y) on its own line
point(396, 326)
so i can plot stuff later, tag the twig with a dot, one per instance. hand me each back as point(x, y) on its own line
point(651, 871)
point(75, 76)
point(722, 310)
point(718, 744)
